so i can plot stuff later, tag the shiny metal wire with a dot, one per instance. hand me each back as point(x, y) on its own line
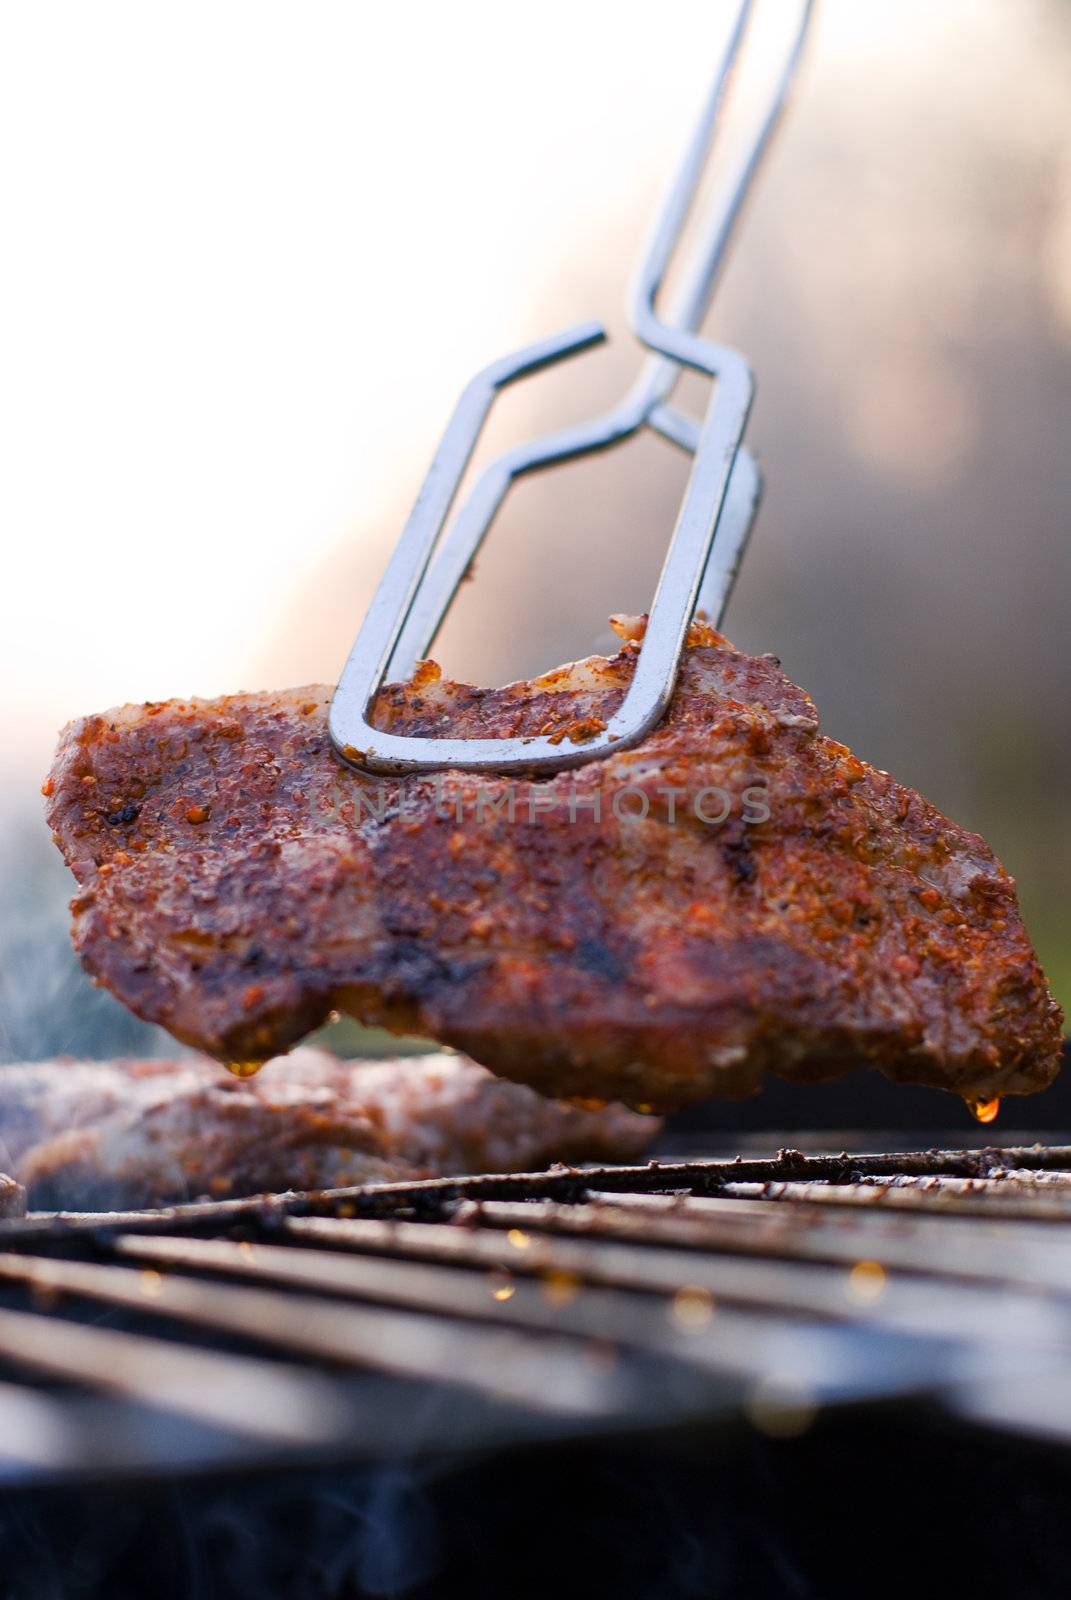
point(713, 524)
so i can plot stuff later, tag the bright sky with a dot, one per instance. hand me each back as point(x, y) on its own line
point(235, 230)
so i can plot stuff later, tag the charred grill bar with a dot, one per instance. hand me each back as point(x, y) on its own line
point(409, 1319)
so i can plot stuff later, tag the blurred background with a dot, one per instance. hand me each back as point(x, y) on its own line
point(255, 249)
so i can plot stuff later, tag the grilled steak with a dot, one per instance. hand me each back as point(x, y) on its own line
point(737, 893)
point(139, 1133)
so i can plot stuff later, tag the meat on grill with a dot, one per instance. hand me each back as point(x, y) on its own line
point(137, 1133)
point(598, 933)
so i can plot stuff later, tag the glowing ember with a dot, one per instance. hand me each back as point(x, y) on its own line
point(560, 1287)
point(984, 1110)
point(519, 1239)
point(692, 1307)
point(151, 1283)
point(502, 1286)
point(866, 1282)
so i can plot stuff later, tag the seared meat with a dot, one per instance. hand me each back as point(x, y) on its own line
point(139, 1133)
point(600, 933)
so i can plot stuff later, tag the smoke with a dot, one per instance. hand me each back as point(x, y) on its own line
point(48, 1005)
point(373, 1533)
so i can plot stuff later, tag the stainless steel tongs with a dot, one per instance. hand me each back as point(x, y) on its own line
point(713, 523)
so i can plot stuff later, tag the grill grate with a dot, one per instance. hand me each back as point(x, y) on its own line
point(461, 1314)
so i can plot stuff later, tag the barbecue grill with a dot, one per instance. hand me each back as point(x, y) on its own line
point(735, 1375)
point(429, 1328)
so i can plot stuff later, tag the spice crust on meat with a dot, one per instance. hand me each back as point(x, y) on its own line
point(606, 933)
point(147, 1132)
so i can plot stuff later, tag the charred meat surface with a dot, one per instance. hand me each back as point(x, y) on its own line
point(139, 1133)
point(736, 894)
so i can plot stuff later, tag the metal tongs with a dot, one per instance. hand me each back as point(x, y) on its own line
point(713, 523)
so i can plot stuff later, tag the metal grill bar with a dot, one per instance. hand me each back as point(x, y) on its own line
point(993, 1251)
point(323, 1325)
point(610, 1311)
point(258, 1398)
point(732, 1227)
point(1042, 1196)
point(788, 1287)
point(545, 1375)
point(434, 1196)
